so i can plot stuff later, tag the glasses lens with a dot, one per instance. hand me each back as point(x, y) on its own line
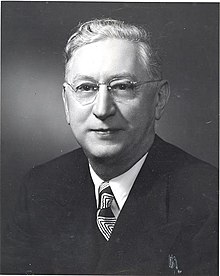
point(122, 90)
point(85, 93)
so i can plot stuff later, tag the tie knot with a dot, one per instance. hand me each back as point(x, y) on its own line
point(106, 195)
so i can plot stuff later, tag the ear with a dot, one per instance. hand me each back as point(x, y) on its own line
point(163, 94)
point(66, 106)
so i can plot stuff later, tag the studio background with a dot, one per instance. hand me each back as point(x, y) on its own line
point(34, 34)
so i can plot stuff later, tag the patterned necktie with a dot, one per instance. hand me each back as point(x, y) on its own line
point(105, 218)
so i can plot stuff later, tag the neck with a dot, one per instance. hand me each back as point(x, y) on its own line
point(108, 168)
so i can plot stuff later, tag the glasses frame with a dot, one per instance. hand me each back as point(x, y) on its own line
point(109, 88)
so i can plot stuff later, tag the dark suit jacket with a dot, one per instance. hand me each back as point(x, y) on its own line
point(167, 226)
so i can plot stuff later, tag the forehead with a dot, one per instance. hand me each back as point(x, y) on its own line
point(105, 57)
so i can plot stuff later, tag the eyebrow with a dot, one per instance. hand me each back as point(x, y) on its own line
point(83, 77)
point(123, 75)
point(79, 77)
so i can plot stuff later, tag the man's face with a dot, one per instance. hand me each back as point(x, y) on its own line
point(107, 128)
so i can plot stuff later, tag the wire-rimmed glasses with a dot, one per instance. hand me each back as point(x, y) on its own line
point(121, 89)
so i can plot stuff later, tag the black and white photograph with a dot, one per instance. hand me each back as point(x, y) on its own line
point(109, 138)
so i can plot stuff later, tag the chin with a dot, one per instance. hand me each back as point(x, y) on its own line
point(103, 152)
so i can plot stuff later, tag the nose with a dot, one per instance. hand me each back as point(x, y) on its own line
point(104, 105)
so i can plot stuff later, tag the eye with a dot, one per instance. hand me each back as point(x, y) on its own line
point(122, 86)
point(86, 87)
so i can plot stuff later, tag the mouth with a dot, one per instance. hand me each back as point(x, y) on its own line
point(106, 131)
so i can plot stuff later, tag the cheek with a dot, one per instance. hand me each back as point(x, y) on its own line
point(78, 115)
point(148, 106)
point(139, 113)
point(78, 125)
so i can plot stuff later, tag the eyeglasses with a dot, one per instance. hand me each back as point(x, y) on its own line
point(121, 90)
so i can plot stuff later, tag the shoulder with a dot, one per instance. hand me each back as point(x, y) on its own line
point(192, 184)
point(66, 161)
point(167, 158)
point(69, 163)
point(58, 178)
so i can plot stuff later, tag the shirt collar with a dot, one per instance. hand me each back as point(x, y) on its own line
point(120, 185)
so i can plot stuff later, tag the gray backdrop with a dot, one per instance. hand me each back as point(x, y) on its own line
point(33, 37)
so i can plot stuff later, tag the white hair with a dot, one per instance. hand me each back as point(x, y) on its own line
point(99, 29)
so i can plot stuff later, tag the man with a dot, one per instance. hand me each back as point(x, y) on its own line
point(126, 202)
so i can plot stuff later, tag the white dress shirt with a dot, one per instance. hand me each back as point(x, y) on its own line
point(120, 185)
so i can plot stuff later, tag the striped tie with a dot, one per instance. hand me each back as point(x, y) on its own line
point(105, 218)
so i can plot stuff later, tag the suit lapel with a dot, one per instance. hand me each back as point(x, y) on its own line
point(142, 235)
